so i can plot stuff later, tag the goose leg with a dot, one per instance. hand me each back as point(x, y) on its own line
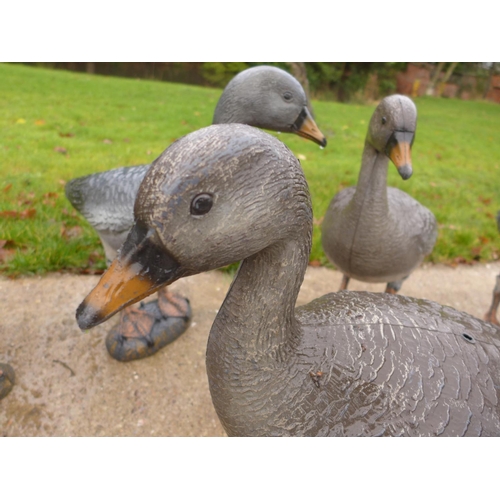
point(7, 379)
point(394, 286)
point(345, 282)
point(491, 315)
point(144, 330)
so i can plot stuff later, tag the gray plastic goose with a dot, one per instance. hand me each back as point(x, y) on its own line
point(346, 364)
point(372, 232)
point(491, 315)
point(263, 96)
point(7, 379)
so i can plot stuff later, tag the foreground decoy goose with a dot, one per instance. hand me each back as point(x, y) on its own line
point(264, 97)
point(348, 363)
point(491, 315)
point(372, 232)
point(7, 379)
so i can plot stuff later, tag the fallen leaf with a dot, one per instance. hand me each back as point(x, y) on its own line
point(51, 195)
point(39, 122)
point(7, 188)
point(126, 139)
point(62, 182)
point(107, 141)
point(59, 149)
point(67, 134)
point(29, 213)
point(21, 120)
point(6, 254)
point(69, 233)
point(315, 263)
point(485, 201)
point(317, 222)
point(9, 214)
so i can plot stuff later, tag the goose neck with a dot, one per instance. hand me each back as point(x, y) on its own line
point(371, 189)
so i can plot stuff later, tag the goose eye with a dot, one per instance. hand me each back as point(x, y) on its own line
point(201, 204)
point(384, 120)
point(287, 96)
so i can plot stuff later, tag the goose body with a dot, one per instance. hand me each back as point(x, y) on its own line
point(376, 233)
point(263, 96)
point(346, 364)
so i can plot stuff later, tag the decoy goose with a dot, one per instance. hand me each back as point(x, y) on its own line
point(348, 363)
point(372, 232)
point(491, 315)
point(263, 96)
point(7, 379)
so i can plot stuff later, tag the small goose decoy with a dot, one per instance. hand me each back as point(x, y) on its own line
point(346, 364)
point(263, 96)
point(7, 379)
point(372, 232)
point(491, 315)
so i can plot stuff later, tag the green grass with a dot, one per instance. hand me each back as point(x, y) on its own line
point(57, 125)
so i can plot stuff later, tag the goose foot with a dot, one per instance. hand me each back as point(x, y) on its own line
point(394, 286)
point(144, 330)
point(491, 315)
point(345, 282)
point(7, 379)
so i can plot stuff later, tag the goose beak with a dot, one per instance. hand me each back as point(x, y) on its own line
point(306, 127)
point(399, 151)
point(140, 269)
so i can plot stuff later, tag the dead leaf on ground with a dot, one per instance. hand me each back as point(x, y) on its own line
point(6, 189)
point(66, 134)
point(315, 263)
point(60, 149)
point(484, 201)
point(69, 233)
point(8, 249)
point(39, 122)
point(29, 213)
point(107, 141)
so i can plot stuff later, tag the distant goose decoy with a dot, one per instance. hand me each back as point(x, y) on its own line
point(262, 96)
point(7, 379)
point(372, 232)
point(491, 315)
point(346, 364)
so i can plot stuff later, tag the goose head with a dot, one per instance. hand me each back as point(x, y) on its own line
point(269, 98)
point(392, 131)
point(214, 197)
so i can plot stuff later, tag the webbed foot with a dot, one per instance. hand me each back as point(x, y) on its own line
point(7, 379)
point(144, 330)
point(394, 286)
point(491, 315)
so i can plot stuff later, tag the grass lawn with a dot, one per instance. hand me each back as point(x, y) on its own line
point(57, 125)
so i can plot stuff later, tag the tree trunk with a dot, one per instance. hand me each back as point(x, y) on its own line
point(299, 71)
point(446, 77)
point(434, 79)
